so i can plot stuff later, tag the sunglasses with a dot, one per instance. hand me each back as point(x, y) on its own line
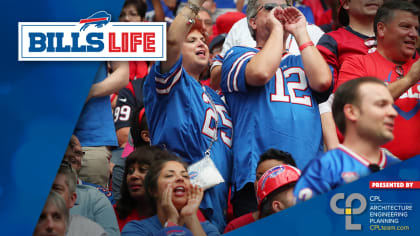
point(270, 6)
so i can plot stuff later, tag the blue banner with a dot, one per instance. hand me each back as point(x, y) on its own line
point(41, 103)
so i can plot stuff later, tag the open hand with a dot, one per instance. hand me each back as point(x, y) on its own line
point(274, 19)
point(195, 195)
point(167, 205)
point(414, 72)
point(294, 21)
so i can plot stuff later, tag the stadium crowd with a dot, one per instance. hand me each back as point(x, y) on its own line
point(260, 105)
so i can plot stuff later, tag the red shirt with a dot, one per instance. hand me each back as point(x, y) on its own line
point(134, 215)
point(336, 46)
point(322, 14)
point(239, 222)
point(407, 124)
point(138, 69)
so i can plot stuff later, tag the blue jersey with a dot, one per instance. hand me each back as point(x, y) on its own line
point(282, 114)
point(95, 126)
point(150, 12)
point(334, 168)
point(152, 226)
point(180, 115)
point(221, 3)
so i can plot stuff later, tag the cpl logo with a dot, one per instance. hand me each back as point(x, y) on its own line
point(348, 211)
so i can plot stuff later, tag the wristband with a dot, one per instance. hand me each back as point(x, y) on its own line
point(305, 45)
point(169, 224)
point(190, 21)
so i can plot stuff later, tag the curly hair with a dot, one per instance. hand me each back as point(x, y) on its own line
point(142, 156)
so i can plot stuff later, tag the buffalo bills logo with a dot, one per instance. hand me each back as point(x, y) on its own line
point(193, 174)
point(349, 177)
point(98, 19)
point(272, 174)
point(176, 232)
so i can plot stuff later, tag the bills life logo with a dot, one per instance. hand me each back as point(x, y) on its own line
point(94, 38)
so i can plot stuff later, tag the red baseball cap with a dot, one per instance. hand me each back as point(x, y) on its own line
point(225, 21)
point(274, 178)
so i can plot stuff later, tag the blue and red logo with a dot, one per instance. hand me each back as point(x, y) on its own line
point(94, 38)
point(193, 174)
point(98, 19)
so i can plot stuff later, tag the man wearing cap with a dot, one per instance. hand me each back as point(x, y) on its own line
point(363, 111)
point(354, 38)
point(275, 189)
point(268, 159)
point(396, 29)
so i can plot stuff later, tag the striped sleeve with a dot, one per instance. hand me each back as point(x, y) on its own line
point(327, 46)
point(316, 178)
point(217, 61)
point(233, 69)
point(165, 82)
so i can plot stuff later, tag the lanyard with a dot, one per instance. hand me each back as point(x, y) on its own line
point(214, 138)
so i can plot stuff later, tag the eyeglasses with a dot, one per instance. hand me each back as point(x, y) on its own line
point(270, 6)
point(400, 71)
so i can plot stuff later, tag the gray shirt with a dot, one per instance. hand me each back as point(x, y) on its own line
point(80, 226)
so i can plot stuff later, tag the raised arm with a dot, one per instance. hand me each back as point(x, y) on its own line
point(115, 81)
point(398, 87)
point(262, 67)
point(316, 69)
point(159, 13)
point(239, 5)
point(178, 31)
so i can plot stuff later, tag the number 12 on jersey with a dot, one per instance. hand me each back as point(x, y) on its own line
point(292, 87)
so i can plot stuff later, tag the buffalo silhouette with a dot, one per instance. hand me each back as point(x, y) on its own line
point(98, 19)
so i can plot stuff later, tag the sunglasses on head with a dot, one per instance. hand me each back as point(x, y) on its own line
point(270, 6)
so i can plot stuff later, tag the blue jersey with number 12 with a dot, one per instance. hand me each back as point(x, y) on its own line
point(282, 114)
